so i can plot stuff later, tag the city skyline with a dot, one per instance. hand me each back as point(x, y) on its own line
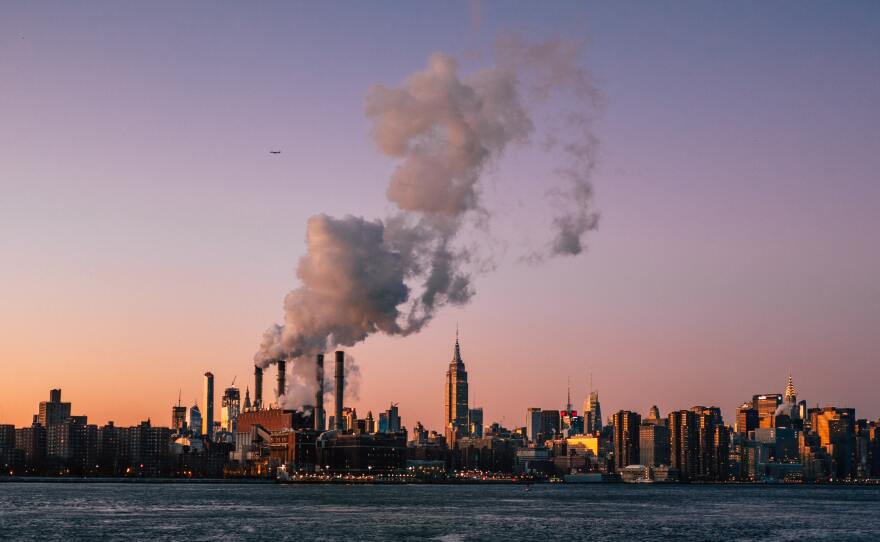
point(152, 236)
point(591, 404)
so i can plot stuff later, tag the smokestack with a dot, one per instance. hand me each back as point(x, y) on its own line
point(258, 388)
point(340, 386)
point(319, 394)
point(282, 368)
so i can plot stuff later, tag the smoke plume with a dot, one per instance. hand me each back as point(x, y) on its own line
point(445, 130)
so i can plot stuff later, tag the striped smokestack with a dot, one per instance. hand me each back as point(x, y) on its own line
point(258, 388)
point(282, 368)
point(340, 386)
point(319, 394)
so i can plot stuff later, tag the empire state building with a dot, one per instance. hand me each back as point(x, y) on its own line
point(456, 414)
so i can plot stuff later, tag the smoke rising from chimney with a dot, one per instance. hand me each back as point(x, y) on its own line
point(362, 276)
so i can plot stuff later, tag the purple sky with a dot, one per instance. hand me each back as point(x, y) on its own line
point(148, 236)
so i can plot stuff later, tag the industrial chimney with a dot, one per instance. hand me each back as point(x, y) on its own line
point(319, 394)
point(282, 369)
point(258, 388)
point(340, 386)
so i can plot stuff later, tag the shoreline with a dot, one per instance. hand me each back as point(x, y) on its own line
point(272, 481)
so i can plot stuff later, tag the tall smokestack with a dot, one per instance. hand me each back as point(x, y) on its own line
point(340, 386)
point(258, 388)
point(282, 369)
point(319, 394)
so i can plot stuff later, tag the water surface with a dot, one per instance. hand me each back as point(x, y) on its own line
point(210, 511)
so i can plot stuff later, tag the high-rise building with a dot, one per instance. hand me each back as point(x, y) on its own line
point(653, 444)
point(746, 418)
point(475, 422)
point(349, 418)
point(626, 438)
point(33, 441)
point(533, 424)
point(456, 412)
point(592, 413)
point(550, 424)
point(195, 420)
point(208, 400)
point(836, 429)
point(722, 453)
point(684, 443)
point(708, 419)
point(178, 417)
point(393, 417)
point(230, 408)
point(53, 411)
point(653, 417)
point(766, 406)
point(788, 413)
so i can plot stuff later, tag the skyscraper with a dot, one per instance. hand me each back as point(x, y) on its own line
point(456, 411)
point(208, 399)
point(550, 423)
point(653, 444)
point(533, 424)
point(178, 417)
point(766, 406)
point(626, 438)
point(836, 429)
point(475, 422)
point(53, 411)
point(746, 418)
point(708, 419)
point(683, 443)
point(230, 407)
point(788, 413)
point(592, 411)
point(195, 420)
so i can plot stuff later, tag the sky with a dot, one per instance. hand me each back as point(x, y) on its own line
point(147, 234)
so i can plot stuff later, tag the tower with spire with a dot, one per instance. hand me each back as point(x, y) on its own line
point(592, 411)
point(790, 394)
point(787, 413)
point(456, 398)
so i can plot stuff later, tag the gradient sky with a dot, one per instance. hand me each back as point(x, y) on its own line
point(147, 235)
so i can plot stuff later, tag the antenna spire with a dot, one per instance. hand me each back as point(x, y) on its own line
point(568, 404)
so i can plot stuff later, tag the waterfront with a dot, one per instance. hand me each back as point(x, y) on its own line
point(206, 511)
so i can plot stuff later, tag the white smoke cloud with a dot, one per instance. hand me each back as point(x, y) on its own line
point(361, 277)
point(302, 384)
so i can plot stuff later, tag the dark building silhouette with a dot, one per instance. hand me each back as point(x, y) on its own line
point(550, 424)
point(53, 411)
point(746, 419)
point(626, 438)
point(654, 444)
point(683, 443)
